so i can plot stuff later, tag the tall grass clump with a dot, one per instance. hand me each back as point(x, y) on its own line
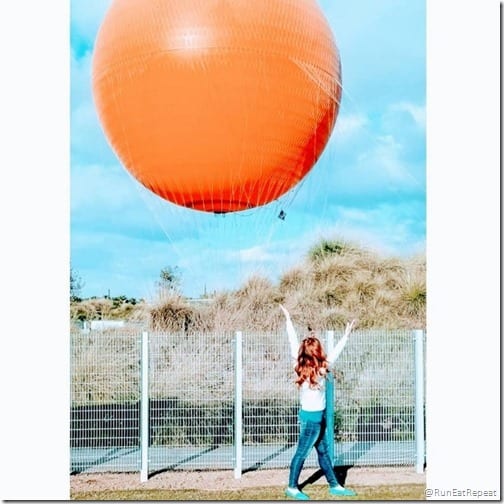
point(175, 314)
point(339, 281)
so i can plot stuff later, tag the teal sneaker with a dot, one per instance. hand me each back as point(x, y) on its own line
point(294, 493)
point(339, 491)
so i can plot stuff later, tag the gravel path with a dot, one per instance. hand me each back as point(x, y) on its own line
point(224, 480)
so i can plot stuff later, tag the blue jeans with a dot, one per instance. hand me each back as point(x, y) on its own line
point(312, 434)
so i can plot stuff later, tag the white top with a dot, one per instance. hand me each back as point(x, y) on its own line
point(312, 399)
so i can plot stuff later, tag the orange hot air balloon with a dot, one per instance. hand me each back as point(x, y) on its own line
point(217, 105)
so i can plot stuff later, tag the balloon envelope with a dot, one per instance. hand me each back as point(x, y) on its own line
point(217, 105)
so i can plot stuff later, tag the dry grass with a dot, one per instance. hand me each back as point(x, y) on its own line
point(336, 282)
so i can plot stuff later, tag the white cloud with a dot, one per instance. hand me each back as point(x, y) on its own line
point(257, 254)
point(387, 228)
point(376, 158)
point(349, 125)
point(101, 187)
point(386, 157)
point(417, 112)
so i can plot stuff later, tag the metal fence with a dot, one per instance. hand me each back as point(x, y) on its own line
point(151, 402)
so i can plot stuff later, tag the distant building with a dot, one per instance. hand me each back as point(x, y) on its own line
point(100, 325)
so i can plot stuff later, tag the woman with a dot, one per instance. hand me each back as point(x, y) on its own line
point(312, 366)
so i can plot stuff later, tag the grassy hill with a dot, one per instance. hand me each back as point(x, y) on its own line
point(335, 282)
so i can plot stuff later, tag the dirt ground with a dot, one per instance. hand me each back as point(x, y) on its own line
point(225, 480)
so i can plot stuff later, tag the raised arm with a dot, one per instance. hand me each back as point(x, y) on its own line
point(291, 333)
point(338, 348)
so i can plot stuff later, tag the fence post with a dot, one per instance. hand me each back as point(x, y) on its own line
point(238, 405)
point(330, 401)
point(418, 336)
point(144, 408)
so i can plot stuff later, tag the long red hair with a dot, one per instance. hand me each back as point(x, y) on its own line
point(311, 362)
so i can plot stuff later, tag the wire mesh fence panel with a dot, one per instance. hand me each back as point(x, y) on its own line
point(374, 407)
point(104, 412)
point(191, 401)
point(270, 403)
point(375, 399)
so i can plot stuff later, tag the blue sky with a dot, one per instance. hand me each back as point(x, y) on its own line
point(368, 186)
